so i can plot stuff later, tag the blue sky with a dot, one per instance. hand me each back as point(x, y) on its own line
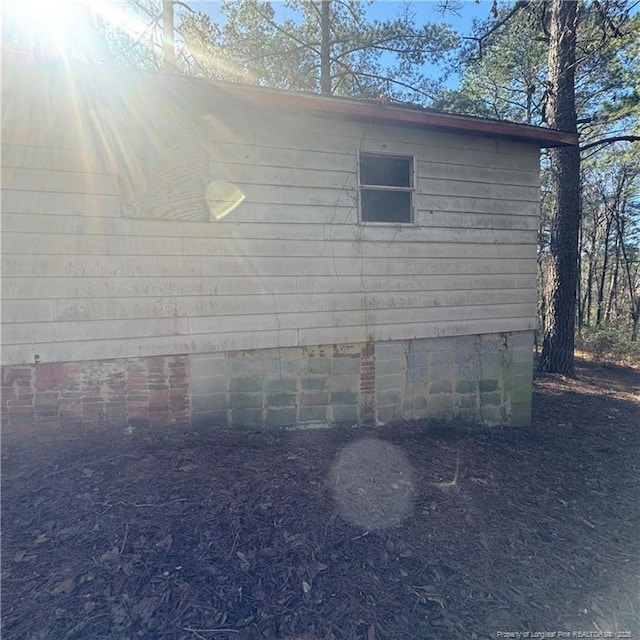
point(425, 10)
point(428, 11)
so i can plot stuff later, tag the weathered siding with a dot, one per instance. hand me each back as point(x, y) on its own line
point(290, 267)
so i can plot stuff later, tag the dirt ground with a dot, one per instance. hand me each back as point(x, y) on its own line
point(409, 531)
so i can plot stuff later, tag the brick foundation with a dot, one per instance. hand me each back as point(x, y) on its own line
point(480, 378)
point(53, 398)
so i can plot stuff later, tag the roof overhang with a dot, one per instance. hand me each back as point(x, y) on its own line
point(380, 112)
point(189, 90)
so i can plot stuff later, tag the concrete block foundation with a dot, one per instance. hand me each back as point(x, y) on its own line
point(484, 378)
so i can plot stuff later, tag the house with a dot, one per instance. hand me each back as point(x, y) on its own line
point(375, 263)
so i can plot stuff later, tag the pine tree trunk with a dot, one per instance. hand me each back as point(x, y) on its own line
point(613, 286)
point(579, 282)
point(589, 293)
point(558, 343)
point(325, 47)
point(635, 320)
point(168, 44)
point(591, 273)
point(603, 274)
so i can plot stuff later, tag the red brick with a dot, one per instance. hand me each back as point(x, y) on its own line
point(20, 410)
point(47, 376)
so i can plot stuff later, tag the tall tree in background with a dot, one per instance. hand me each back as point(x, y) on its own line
point(610, 240)
point(611, 95)
point(559, 329)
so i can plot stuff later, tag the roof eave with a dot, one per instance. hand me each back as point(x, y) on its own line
point(387, 114)
point(341, 107)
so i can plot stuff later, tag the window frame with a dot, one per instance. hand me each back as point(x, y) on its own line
point(411, 190)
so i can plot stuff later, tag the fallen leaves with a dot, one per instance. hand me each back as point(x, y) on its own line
point(112, 554)
point(219, 534)
point(66, 586)
point(244, 563)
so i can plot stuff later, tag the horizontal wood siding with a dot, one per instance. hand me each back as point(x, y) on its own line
point(291, 266)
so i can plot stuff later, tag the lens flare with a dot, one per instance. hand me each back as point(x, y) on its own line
point(373, 484)
point(223, 198)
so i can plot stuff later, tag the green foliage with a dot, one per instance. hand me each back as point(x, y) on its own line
point(610, 344)
point(504, 73)
point(133, 36)
point(608, 88)
point(282, 48)
point(280, 45)
point(506, 76)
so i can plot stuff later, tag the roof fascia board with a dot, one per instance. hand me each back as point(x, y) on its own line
point(387, 114)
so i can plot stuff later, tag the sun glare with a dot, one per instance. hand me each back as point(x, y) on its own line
point(45, 26)
point(62, 28)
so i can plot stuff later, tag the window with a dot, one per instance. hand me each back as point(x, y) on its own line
point(386, 188)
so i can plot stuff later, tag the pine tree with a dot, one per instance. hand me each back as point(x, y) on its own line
point(328, 47)
point(559, 334)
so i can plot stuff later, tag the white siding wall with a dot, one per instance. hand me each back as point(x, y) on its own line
point(290, 267)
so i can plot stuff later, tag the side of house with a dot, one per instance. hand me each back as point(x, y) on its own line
point(126, 302)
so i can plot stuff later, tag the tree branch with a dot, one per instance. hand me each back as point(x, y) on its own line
point(350, 10)
point(387, 79)
point(278, 28)
point(283, 52)
point(611, 140)
point(520, 4)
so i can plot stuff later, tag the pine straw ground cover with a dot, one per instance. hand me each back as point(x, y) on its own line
point(403, 532)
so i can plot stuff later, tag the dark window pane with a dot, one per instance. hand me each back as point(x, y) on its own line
point(385, 206)
point(371, 169)
point(387, 171)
